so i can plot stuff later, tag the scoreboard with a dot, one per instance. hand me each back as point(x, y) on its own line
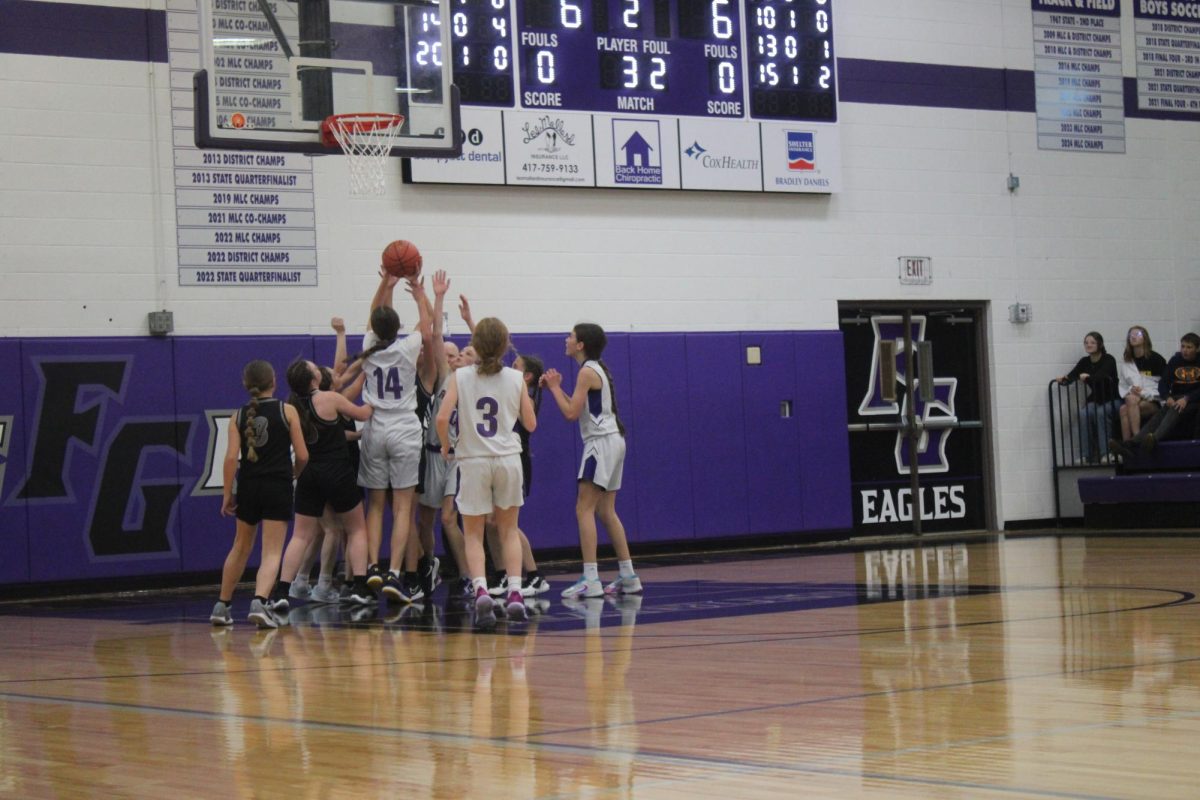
point(751, 74)
point(728, 59)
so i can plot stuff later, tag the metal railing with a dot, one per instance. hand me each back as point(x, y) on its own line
point(1080, 430)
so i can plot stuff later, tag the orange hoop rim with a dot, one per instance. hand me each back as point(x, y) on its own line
point(365, 122)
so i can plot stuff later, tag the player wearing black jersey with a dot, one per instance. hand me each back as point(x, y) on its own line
point(262, 436)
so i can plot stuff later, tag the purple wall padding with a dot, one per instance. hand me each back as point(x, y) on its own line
point(90, 496)
point(14, 523)
point(548, 516)
point(661, 458)
point(717, 430)
point(772, 440)
point(111, 454)
point(209, 379)
point(824, 444)
point(616, 357)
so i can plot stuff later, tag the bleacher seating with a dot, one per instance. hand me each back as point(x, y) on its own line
point(1160, 490)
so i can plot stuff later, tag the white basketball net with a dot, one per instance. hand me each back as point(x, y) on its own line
point(366, 139)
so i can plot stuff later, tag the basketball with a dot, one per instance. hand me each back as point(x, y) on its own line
point(402, 259)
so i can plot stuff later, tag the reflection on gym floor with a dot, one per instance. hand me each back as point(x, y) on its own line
point(1035, 666)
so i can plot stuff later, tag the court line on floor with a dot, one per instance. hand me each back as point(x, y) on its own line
point(860, 696)
point(1187, 598)
point(673, 759)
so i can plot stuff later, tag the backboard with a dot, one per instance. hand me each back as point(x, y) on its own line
point(273, 70)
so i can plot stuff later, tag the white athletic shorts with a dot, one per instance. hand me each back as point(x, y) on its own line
point(390, 456)
point(603, 461)
point(489, 482)
point(441, 479)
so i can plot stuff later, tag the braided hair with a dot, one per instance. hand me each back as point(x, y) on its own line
point(259, 378)
point(593, 339)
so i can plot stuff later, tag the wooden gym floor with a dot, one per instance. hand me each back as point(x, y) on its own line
point(1035, 666)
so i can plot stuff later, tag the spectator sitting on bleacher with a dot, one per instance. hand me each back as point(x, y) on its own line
point(1098, 370)
point(1140, 371)
point(1180, 385)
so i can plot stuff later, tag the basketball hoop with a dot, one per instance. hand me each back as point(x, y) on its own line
point(366, 139)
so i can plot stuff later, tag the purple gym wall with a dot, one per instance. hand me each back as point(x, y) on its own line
point(110, 463)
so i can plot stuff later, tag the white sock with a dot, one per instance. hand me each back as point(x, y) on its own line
point(591, 572)
point(514, 584)
point(479, 583)
point(324, 581)
point(625, 569)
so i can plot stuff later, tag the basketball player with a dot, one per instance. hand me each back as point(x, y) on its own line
point(440, 476)
point(489, 399)
point(330, 537)
point(392, 439)
point(595, 406)
point(260, 435)
point(531, 368)
point(328, 480)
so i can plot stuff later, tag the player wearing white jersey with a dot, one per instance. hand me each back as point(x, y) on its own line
point(594, 405)
point(391, 441)
point(489, 399)
point(531, 368)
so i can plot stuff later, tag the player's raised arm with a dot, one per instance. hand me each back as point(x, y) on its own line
point(347, 409)
point(416, 288)
point(464, 308)
point(383, 293)
point(571, 406)
point(441, 285)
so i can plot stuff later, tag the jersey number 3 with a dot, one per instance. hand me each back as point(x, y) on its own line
point(388, 383)
point(488, 427)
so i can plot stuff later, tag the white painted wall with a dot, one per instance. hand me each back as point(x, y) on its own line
point(87, 238)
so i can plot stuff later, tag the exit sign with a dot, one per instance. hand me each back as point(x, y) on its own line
point(916, 269)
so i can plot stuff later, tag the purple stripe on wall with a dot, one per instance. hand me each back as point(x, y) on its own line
point(936, 85)
point(78, 31)
point(68, 30)
point(125, 34)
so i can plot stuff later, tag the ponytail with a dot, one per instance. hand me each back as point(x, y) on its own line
point(370, 351)
point(299, 378)
point(612, 397)
point(535, 367)
point(385, 324)
point(594, 340)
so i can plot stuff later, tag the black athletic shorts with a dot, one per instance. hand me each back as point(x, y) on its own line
point(420, 490)
point(329, 483)
point(264, 498)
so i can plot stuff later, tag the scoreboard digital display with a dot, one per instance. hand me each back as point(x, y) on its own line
point(720, 59)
